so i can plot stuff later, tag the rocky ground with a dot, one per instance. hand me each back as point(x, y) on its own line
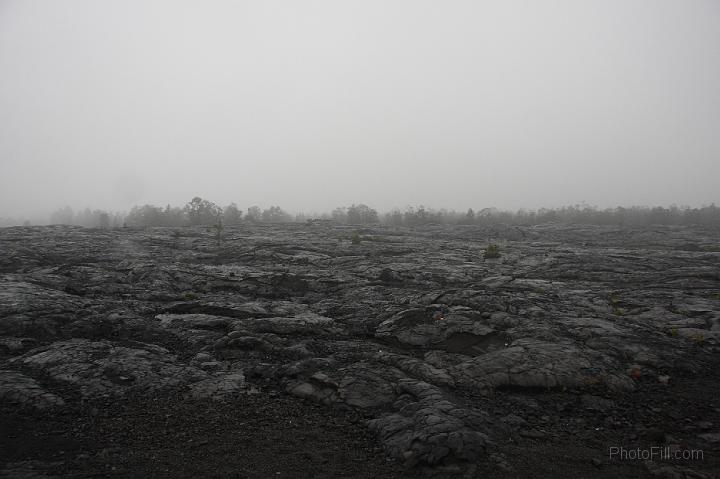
point(293, 351)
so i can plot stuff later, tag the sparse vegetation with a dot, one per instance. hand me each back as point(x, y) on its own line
point(201, 212)
point(355, 238)
point(492, 251)
point(615, 304)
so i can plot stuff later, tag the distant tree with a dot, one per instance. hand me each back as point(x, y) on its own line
point(84, 218)
point(144, 216)
point(469, 217)
point(87, 218)
point(340, 215)
point(117, 219)
point(173, 216)
point(414, 217)
point(394, 217)
point(547, 215)
point(232, 215)
point(275, 214)
point(63, 216)
point(202, 212)
point(104, 220)
point(659, 216)
point(361, 214)
point(254, 214)
point(524, 217)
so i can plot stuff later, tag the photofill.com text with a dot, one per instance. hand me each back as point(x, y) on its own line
point(655, 453)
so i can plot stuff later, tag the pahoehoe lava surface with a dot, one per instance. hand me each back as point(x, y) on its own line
point(292, 351)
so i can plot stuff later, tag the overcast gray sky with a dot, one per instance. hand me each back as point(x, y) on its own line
point(316, 104)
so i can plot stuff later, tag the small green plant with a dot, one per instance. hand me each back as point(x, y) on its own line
point(355, 238)
point(717, 295)
point(491, 252)
point(190, 296)
point(699, 338)
point(674, 333)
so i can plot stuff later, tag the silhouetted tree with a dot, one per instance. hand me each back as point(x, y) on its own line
point(254, 214)
point(144, 216)
point(232, 215)
point(361, 214)
point(202, 212)
point(275, 214)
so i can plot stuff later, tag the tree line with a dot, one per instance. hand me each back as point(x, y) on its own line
point(199, 211)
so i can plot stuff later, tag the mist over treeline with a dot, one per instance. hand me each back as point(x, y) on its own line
point(200, 211)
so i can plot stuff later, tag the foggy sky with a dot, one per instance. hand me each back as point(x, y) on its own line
point(315, 104)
